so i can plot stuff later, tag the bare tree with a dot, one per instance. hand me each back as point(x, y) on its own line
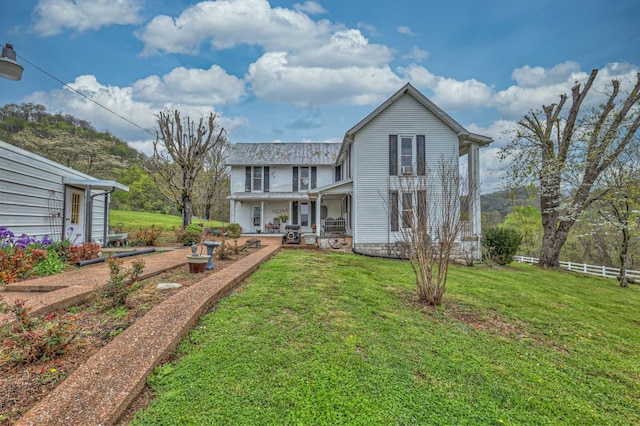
point(430, 215)
point(178, 155)
point(552, 149)
point(215, 175)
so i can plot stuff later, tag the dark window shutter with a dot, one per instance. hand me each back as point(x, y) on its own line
point(420, 153)
point(295, 179)
point(265, 181)
point(393, 210)
point(314, 177)
point(294, 211)
point(247, 179)
point(393, 155)
point(313, 212)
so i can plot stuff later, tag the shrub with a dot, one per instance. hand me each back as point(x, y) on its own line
point(501, 244)
point(192, 235)
point(84, 251)
point(234, 230)
point(146, 236)
point(224, 251)
point(30, 339)
point(52, 264)
point(121, 283)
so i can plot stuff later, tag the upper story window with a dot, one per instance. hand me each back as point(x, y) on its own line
point(407, 155)
point(256, 179)
point(304, 178)
point(337, 173)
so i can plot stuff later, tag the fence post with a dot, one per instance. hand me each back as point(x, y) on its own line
point(604, 271)
point(569, 265)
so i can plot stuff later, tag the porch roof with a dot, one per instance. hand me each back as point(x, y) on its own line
point(342, 187)
point(95, 183)
point(269, 196)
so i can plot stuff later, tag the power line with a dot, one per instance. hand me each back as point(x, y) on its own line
point(151, 132)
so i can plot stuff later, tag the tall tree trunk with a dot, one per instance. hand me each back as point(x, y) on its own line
point(187, 210)
point(624, 251)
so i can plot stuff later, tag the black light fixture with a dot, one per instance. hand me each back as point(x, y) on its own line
point(9, 68)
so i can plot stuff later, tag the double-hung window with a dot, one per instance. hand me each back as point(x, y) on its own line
point(304, 178)
point(407, 155)
point(256, 179)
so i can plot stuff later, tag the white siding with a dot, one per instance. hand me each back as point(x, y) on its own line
point(280, 180)
point(28, 184)
point(370, 157)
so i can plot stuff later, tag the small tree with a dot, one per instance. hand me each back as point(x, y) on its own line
point(620, 208)
point(430, 214)
point(178, 155)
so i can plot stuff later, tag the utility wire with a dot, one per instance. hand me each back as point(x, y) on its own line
point(151, 132)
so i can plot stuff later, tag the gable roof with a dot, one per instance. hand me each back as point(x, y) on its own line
point(408, 89)
point(296, 153)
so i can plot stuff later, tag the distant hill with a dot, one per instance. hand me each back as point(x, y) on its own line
point(66, 140)
point(502, 202)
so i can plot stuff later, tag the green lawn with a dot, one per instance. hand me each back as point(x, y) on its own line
point(338, 339)
point(135, 220)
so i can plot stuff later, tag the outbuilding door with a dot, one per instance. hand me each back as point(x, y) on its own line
point(74, 215)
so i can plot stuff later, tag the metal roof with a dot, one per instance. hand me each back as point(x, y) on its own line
point(278, 153)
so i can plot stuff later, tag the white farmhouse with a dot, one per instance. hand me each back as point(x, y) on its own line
point(328, 186)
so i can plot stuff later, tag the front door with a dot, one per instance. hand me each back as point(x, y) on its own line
point(74, 215)
point(257, 216)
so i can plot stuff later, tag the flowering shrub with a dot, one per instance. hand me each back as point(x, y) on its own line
point(121, 283)
point(24, 256)
point(30, 339)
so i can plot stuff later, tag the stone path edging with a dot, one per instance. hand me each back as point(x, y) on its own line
point(99, 392)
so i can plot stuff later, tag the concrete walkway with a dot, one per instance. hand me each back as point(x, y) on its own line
point(100, 391)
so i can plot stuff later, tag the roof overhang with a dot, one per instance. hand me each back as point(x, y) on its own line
point(269, 196)
point(95, 184)
point(342, 187)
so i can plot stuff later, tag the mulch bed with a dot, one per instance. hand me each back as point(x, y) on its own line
point(23, 385)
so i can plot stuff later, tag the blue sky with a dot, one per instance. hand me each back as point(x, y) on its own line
point(311, 70)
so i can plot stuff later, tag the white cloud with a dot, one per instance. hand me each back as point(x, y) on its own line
point(310, 7)
point(273, 79)
point(52, 16)
point(538, 86)
point(344, 48)
point(191, 86)
point(405, 30)
point(448, 93)
point(539, 76)
point(416, 54)
point(230, 23)
point(123, 102)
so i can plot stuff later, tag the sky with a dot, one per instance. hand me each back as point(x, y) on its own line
point(299, 71)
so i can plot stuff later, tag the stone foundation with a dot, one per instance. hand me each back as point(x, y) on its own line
point(463, 250)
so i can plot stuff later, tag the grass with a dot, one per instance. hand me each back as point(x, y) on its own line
point(135, 220)
point(338, 339)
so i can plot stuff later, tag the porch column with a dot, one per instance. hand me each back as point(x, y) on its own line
point(88, 214)
point(262, 216)
point(473, 160)
point(318, 210)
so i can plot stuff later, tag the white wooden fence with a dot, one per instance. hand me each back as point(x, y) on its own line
point(601, 271)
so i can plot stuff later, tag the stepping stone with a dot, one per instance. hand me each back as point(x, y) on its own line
point(168, 286)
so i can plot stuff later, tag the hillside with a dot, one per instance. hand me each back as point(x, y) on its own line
point(66, 140)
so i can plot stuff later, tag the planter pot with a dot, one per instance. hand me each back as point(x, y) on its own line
point(197, 264)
